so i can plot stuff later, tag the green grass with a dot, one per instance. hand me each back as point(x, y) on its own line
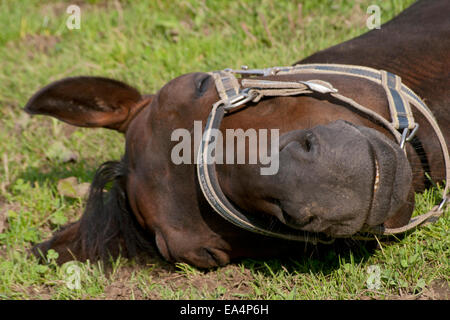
point(147, 43)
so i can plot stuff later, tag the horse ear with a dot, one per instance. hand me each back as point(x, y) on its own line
point(89, 102)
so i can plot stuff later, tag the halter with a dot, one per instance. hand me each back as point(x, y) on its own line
point(234, 94)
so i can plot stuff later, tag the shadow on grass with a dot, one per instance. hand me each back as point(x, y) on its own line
point(320, 258)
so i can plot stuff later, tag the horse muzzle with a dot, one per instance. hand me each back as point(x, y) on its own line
point(340, 177)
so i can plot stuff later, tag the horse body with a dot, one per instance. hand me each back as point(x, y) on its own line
point(328, 167)
point(416, 46)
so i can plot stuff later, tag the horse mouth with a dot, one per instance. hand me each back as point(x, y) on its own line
point(377, 177)
point(392, 177)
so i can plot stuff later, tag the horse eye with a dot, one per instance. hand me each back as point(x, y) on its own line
point(202, 85)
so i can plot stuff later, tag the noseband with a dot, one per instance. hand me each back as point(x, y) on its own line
point(234, 94)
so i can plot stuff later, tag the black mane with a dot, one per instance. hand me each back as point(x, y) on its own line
point(108, 227)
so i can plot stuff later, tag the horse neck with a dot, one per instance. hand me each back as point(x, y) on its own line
point(411, 45)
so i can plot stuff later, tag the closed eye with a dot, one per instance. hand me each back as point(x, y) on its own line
point(202, 85)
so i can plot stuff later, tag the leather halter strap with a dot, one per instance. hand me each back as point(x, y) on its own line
point(232, 94)
point(209, 184)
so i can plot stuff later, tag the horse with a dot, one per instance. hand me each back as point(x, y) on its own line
point(341, 170)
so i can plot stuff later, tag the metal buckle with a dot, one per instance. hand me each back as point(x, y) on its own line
point(406, 137)
point(314, 86)
point(239, 99)
point(246, 72)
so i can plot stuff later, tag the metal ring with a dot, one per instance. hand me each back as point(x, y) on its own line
point(239, 100)
point(406, 136)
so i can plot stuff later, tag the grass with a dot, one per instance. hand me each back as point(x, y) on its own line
point(147, 43)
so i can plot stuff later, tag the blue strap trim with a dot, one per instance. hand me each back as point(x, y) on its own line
point(398, 102)
point(399, 106)
point(345, 69)
point(410, 93)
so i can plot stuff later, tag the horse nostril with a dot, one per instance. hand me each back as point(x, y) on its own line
point(299, 141)
point(308, 142)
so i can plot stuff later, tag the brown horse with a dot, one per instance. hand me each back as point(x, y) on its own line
point(329, 155)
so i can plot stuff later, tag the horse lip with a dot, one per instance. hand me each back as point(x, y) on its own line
point(378, 162)
point(385, 174)
point(377, 177)
point(386, 177)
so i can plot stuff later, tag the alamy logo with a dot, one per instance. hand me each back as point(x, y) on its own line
point(231, 149)
point(373, 21)
point(373, 281)
point(74, 19)
point(72, 274)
